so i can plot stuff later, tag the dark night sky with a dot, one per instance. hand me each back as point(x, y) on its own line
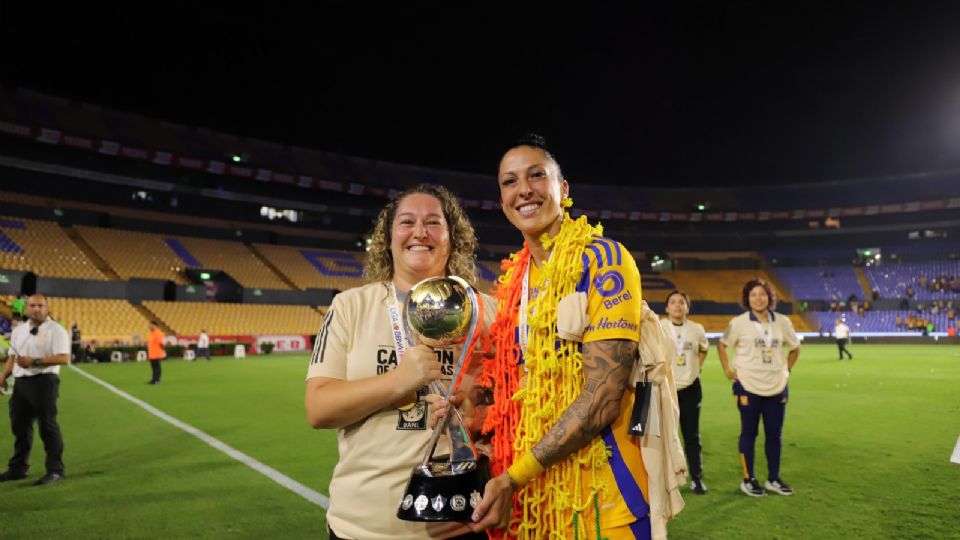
point(708, 94)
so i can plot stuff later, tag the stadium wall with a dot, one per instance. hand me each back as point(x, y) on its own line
point(889, 304)
point(136, 290)
point(903, 338)
point(81, 288)
point(140, 289)
point(191, 293)
point(310, 297)
point(11, 281)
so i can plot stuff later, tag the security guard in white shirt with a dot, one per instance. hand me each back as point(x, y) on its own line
point(37, 349)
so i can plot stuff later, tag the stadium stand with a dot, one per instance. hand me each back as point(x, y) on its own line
point(711, 289)
point(821, 282)
point(233, 258)
point(188, 318)
point(134, 254)
point(488, 272)
point(880, 321)
point(316, 268)
point(5, 300)
point(145, 255)
point(718, 285)
point(155, 218)
point(134, 137)
point(339, 270)
point(195, 207)
point(101, 320)
point(718, 323)
point(44, 248)
point(892, 280)
point(6, 313)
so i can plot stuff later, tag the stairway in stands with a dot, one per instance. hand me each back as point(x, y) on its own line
point(272, 267)
point(150, 316)
point(864, 282)
point(810, 321)
point(90, 253)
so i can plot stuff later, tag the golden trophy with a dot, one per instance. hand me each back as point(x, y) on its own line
point(443, 311)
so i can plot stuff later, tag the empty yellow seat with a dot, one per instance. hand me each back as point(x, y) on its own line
point(43, 248)
point(188, 318)
point(100, 320)
point(316, 268)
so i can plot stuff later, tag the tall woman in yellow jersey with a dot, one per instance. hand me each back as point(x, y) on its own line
point(765, 348)
point(566, 338)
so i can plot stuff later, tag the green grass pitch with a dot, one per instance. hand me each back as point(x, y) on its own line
point(866, 446)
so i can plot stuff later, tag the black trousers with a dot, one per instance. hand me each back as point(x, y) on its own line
point(690, 399)
point(35, 398)
point(155, 370)
point(842, 347)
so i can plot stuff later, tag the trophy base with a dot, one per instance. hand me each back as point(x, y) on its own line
point(446, 497)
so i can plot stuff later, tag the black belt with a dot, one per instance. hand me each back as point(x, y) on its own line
point(35, 376)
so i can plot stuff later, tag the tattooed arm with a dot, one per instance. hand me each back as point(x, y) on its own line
point(606, 368)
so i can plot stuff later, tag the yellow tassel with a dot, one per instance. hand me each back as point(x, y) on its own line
point(554, 380)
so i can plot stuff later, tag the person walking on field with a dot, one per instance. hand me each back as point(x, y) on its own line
point(155, 352)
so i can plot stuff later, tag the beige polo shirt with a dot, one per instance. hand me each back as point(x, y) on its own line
point(689, 340)
point(759, 351)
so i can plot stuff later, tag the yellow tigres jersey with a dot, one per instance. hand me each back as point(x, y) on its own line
point(611, 282)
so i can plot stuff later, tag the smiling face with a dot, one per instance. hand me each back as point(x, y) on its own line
point(531, 191)
point(759, 301)
point(419, 239)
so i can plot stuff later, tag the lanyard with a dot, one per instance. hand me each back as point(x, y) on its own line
point(523, 328)
point(396, 324)
point(680, 338)
point(765, 333)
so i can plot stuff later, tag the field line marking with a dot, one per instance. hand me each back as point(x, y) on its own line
point(315, 497)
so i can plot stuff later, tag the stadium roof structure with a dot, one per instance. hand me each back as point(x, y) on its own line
point(31, 115)
point(691, 95)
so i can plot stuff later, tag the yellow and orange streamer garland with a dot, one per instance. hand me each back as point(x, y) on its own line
point(529, 399)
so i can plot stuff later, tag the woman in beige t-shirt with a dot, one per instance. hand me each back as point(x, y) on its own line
point(691, 350)
point(367, 379)
point(759, 371)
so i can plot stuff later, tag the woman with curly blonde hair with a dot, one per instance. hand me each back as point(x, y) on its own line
point(379, 263)
point(367, 378)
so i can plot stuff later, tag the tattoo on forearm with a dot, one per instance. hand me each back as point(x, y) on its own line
point(606, 367)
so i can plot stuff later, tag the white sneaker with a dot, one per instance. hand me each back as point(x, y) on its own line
point(752, 488)
point(778, 486)
point(698, 487)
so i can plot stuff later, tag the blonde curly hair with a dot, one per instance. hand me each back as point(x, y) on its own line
point(378, 265)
